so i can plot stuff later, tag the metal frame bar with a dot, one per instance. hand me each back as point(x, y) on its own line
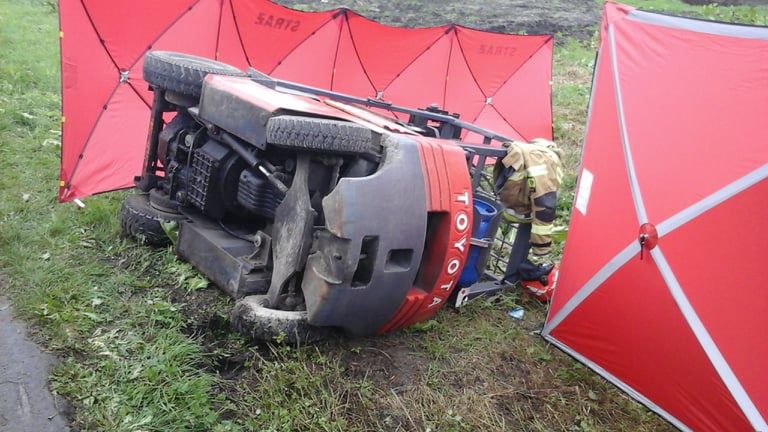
point(148, 179)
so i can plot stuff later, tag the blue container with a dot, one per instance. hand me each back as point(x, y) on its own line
point(486, 212)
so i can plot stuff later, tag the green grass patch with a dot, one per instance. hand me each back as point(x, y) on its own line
point(747, 14)
point(94, 298)
point(145, 345)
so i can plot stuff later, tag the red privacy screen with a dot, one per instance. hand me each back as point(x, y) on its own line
point(662, 284)
point(499, 81)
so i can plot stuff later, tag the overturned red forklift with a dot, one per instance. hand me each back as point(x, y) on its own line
point(308, 207)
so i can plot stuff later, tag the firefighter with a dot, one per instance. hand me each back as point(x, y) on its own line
point(527, 180)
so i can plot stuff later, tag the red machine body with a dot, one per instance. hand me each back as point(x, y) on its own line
point(449, 193)
point(441, 214)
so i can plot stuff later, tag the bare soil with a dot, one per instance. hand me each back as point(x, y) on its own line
point(566, 17)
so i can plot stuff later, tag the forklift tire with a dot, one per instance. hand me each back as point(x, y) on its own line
point(252, 318)
point(321, 135)
point(140, 221)
point(182, 73)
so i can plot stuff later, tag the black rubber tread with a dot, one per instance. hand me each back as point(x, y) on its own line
point(320, 135)
point(182, 73)
point(140, 221)
point(252, 318)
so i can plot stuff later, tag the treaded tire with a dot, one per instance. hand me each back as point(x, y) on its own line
point(252, 318)
point(320, 135)
point(140, 221)
point(182, 73)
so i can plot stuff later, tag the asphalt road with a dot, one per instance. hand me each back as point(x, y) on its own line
point(26, 403)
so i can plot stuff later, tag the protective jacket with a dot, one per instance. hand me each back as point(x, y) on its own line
point(527, 180)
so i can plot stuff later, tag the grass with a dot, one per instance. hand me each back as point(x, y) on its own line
point(145, 345)
point(755, 15)
point(572, 79)
point(96, 300)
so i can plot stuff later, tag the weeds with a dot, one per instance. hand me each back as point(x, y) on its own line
point(127, 363)
point(710, 10)
point(145, 343)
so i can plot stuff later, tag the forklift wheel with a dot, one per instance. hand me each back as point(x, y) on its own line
point(321, 135)
point(140, 221)
point(182, 73)
point(252, 318)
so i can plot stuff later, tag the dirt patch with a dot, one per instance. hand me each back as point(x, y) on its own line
point(389, 361)
point(207, 319)
point(399, 382)
point(567, 17)
point(205, 309)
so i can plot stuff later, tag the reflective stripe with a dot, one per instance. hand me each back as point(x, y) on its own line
point(517, 176)
point(711, 201)
point(715, 28)
point(592, 284)
point(537, 170)
point(708, 344)
point(541, 229)
point(518, 216)
point(634, 185)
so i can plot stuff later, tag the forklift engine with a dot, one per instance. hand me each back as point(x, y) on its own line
point(310, 210)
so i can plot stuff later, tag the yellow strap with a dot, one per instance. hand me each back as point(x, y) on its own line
point(541, 229)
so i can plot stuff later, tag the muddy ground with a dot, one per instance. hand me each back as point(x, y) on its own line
point(568, 17)
point(574, 18)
